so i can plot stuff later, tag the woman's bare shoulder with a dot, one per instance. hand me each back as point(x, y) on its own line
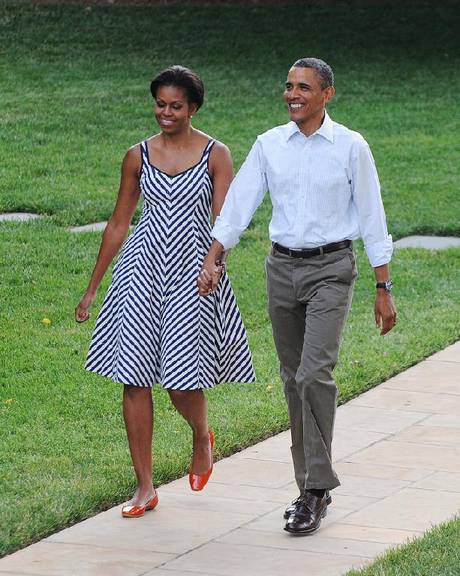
point(202, 139)
point(220, 150)
point(133, 153)
point(154, 141)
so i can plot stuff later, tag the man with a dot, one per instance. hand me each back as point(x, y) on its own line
point(325, 193)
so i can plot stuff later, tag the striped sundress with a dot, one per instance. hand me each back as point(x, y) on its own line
point(153, 326)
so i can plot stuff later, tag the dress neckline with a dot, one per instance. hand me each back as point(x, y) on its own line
point(183, 171)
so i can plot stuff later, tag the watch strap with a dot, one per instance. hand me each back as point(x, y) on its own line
point(387, 286)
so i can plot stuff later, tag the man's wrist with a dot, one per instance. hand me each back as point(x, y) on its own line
point(221, 259)
point(384, 286)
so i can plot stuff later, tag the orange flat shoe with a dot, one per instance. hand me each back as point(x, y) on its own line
point(199, 481)
point(138, 511)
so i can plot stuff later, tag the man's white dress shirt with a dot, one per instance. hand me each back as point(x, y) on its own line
point(324, 188)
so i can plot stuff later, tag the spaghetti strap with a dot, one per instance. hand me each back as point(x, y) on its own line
point(209, 145)
point(144, 152)
point(207, 152)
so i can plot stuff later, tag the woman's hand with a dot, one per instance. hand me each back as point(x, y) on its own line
point(82, 310)
point(209, 276)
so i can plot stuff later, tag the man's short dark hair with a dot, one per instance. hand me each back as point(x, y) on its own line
point(180, 77)
point(322, 69)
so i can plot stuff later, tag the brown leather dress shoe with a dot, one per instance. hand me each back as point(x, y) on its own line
point(308, 515)
point(292, 506)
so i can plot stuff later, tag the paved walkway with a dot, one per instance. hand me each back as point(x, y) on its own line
point(396, 451)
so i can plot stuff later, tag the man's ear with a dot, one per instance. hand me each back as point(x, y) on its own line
point(329, 93)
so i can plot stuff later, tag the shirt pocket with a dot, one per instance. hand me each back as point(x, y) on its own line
point(330, 187)
point(284, 179)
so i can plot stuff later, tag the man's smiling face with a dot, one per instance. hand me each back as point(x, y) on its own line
point(305, 96)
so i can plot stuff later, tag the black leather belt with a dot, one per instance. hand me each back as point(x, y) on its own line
point(309, 252)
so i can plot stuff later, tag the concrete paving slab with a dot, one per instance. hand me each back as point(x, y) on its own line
point(251, 472)
point(449, 354)
point(442, 436)
point(353, 416)
point(429, 377)
point(157, 531)
point(377, 470)
point(368, 486)
point(409, 509)
point(444, 481)
point(52, 559)
point(261, 561)
point(8, 573)
point(19, 217)
point(388, 536)
point(429, 242)
point(445, 458)
point(242, 493)
point(347, 441)
point(182, 572)
point(445, 420)
point(94, 227)
point(410, 401)
point(203, 501)
point(270, 449)
point(324, 545)
point(351, 502)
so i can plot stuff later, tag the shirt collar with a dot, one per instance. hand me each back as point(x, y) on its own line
point(326, 130)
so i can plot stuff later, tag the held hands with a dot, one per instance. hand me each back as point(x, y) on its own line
point(384, 312)
point(209, 277)
point(81, 311)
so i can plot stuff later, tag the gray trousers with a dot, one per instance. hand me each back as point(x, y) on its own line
point(308, 301)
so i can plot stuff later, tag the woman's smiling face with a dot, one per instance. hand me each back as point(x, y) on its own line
point(172, 109)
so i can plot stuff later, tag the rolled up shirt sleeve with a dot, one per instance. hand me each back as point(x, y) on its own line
point(244, 196)
point(369, 206)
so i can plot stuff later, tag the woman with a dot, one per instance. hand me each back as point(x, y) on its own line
point(153, 326)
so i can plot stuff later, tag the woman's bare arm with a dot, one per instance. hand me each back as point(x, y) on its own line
point(116, 229)
point(221, 169)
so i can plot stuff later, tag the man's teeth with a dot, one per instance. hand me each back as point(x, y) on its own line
point(295, 105)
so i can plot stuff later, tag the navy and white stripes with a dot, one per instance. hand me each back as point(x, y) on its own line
point(153, 325)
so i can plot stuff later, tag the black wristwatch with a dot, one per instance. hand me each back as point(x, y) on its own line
point(387, 286)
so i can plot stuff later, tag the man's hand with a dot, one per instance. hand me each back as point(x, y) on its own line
point(384, 312)
point(209, 277)
point(211, 270)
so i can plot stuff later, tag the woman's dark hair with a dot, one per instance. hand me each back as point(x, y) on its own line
point(180, 77)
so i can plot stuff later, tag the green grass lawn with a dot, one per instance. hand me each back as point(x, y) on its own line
point(75, 97)
point(435, 554)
